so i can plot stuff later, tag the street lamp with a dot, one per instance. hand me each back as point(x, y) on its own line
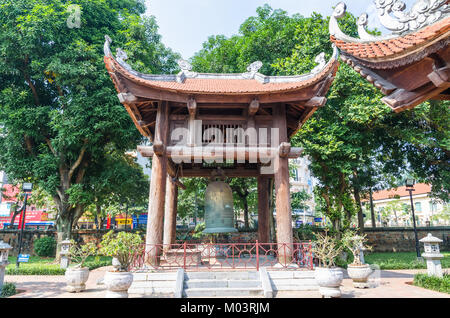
point(26, 188)
point(410, 188)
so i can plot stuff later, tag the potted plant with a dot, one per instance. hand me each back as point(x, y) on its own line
point(77, 276)
point(327, 275)
point(357, 271)
point(121, 246)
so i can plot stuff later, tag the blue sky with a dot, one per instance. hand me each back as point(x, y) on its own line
point(186, 24)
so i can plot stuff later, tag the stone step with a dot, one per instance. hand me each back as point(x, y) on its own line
point(253, 275)
point(209, 283)
point(223, 292)
point(291, 274)
point(294, 287)
point(294, 282)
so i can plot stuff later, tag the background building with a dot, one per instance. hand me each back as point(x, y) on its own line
point(301, 180)
point(393, 207)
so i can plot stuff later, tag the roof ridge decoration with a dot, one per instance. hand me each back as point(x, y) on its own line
point(252, 70)
point(392, 15)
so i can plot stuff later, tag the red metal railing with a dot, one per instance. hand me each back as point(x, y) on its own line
point(211, 256)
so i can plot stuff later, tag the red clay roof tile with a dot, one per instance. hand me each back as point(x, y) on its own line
point(388, 48)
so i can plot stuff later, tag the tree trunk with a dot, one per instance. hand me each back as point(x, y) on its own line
point(64, 231)
point(271, 217)
point(360, 211)
point(372, 212)
point(246, 223)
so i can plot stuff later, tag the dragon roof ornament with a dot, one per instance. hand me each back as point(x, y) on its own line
point(392, 15)
point(186, 69)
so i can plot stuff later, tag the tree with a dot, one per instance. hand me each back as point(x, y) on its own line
point(59, 112)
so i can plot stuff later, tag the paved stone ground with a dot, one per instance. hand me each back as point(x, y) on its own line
point(390, 284)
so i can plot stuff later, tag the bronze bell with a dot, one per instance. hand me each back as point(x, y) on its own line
point(219, 215)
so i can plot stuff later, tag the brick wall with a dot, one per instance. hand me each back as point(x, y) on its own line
point(402, 239)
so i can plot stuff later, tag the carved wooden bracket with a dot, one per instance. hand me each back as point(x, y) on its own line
point(440, 76)
point(126, 98)
point(159, 149)
point(192, 107)
point(254, 107)
point(284, 149)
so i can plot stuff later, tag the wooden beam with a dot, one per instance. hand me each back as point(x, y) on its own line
point(231, 173)
point(213, 152)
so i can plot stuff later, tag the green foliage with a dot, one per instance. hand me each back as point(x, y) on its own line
point(80, 253)
point(8, 290)
point(123, 246)
point(354, 242)
point(45, 246)
point(46, 266)
point(401, 260)
point(306, 232)
point(435, 283)
point(326, 249)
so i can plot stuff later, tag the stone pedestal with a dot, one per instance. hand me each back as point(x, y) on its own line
point(64, 253)
point(176, 257)
point(4, 251)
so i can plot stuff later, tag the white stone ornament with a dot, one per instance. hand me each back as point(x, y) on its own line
point(4, 250)
point(422, 13)
point(321, 62)
point(393, 16)
point(121, 57)
point(186, 68)
point(252, 70)
point(432, 255)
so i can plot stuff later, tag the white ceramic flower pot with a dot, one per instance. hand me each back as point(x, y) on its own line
point(329, 281)
point(359, 274)
point(76, 279)
point(117, 284)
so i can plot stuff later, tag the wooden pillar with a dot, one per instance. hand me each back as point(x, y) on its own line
point(263, 210)
point(157, 187)
point(170, 213)
point(282, 192)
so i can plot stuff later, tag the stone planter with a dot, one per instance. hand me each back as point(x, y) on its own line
point(76, 278)
point(117, 284)
point(329, 281)
point(359, 274)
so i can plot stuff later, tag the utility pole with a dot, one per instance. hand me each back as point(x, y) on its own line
point(372, 213)
point(26, 187)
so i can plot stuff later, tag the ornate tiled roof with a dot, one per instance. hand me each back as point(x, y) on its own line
point(425, 25)
point(251, 82)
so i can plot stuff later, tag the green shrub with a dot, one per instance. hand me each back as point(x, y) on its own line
point(37, 269)
point(431, 282)
point(45, 246)
point(8, 289)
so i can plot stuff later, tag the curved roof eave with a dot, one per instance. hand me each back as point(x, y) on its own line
point(251, 82)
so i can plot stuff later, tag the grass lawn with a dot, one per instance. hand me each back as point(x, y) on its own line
point(47, 266)
point(401, 260)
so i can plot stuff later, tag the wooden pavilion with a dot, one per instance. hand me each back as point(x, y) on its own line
point(409, 66)
point(176, 113)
